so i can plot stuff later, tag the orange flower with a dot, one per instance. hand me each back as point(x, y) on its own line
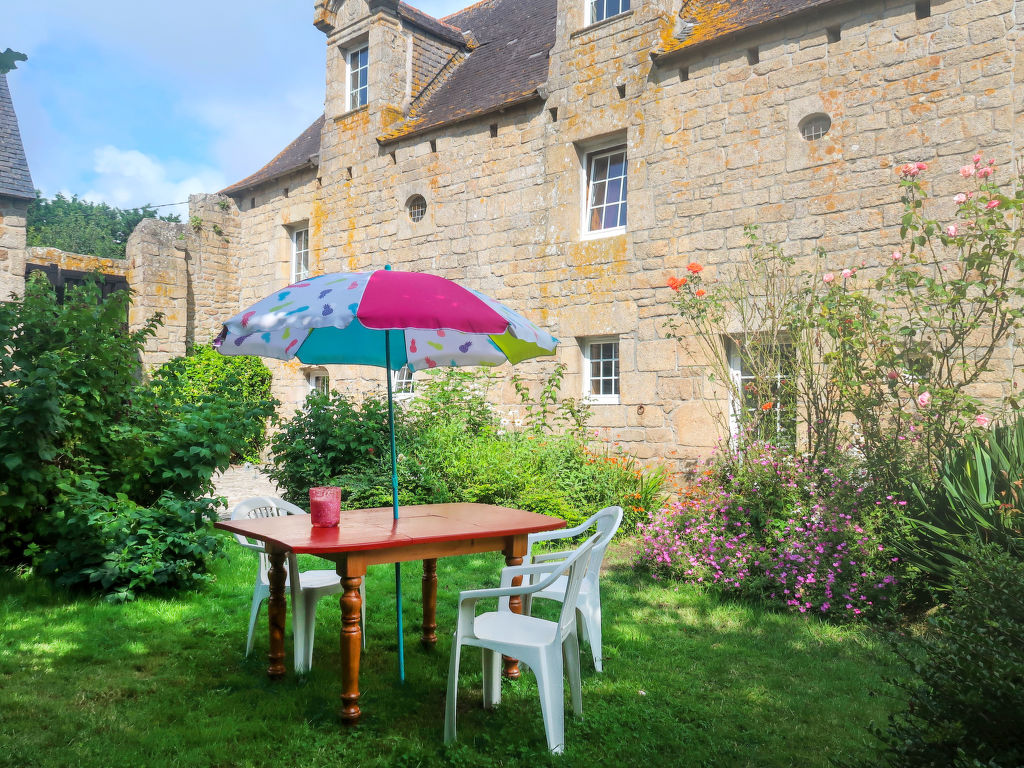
point(675, 283)
point(767, 406)
point(695, 268)
point(699, 292)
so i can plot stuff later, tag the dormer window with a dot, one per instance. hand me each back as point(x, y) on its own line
point(358, 75)
point(605, 9)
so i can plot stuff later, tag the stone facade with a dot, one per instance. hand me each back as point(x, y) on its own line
point(711, 133)
point(710, 127)
point(12, 245)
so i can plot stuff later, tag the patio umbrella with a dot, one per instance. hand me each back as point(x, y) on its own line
point(388, 319)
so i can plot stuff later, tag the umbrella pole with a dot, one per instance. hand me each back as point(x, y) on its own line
point(394, 501)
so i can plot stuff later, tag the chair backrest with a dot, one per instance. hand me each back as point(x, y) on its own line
point(608, 521)
point(262, 506)
point(575, 567)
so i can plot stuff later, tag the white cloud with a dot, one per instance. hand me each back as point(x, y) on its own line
point(127, 178)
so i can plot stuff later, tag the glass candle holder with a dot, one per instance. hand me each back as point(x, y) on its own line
point(325, 506)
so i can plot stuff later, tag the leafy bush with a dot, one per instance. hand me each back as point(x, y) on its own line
point(76, 425)
point(966, 694)
point(123, 548)
point(329, 437)
point(451, 448)
point(772, 526)
point(204, 375)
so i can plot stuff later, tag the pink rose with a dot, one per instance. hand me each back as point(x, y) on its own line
point(982, 420)
point(921, 166)
point(828, 277)
point(846, 273)
point(992, 204)
point(951, 230)
point(896, 255)
point(984, 173)
point(924, 399)
point(892, 375)
point(977, 159)
point(960, 199)
point(967, 171)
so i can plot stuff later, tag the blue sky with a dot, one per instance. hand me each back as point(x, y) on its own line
point(139, 102)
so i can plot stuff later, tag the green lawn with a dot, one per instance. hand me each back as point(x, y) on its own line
point(688, 681)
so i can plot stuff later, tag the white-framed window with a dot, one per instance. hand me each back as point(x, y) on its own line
point(764, 392)
point(300, 254)
point(601, 368)
point(606, 192)
point(358, 76)
point(605, 9)
point(318, 381)
point(402, 384)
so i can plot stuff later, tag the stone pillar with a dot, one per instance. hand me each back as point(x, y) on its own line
point(158, 258)
point(12, 245)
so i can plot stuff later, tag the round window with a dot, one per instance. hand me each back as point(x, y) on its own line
point(813, 127)
point(417, 207)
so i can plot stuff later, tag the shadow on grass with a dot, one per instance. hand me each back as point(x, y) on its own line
point(688, 681)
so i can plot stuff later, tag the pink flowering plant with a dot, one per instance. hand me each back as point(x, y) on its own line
point(780, 528)
point(885, 359)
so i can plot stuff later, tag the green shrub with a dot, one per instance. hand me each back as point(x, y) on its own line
point(124, 548)
point(75, 419)
point(204, 375)
point(452, 449)
point(966, 694)
point(326, 439)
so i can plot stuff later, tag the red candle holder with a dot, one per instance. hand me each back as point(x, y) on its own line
point(325, 506)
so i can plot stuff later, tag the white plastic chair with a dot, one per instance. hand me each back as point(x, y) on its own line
point(540, 644)
point(588, 604)
point(306, 590)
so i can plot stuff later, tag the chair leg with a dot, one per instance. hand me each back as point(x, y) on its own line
point(592, 632)
point(571, 660)
point(309, 600)
point(453, 687)
point(549, 684)
point(257, 600)
point(492, 678)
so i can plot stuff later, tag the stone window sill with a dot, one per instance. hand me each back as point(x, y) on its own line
point(601, 23)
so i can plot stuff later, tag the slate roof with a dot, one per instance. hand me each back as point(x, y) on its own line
point(504, 60)
point(706, 21)
point(15, 180)
point(506, 66)
point(436, 27)
point(302, 152)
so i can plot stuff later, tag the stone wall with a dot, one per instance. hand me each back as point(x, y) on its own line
point(712, 145)
point(12, 245)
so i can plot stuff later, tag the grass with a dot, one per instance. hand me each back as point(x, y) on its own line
point(688, 681)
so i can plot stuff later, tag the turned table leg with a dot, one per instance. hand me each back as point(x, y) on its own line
point(515, 604)
point(351, 642)
point(429, 591)
point(277, 607)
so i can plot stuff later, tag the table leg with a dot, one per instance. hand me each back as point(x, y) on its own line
point(515, 604)
point(351, 642)
point(429, 587)
point(277, 607)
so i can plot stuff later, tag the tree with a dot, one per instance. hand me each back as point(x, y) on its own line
point(78, 226)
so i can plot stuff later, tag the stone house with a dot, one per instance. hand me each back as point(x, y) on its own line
point(569, 156)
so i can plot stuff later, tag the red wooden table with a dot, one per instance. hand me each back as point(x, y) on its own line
point(371, 536)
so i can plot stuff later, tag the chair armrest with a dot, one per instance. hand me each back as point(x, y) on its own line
point(250, 545)
point(561, 533)
point(550, 556)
